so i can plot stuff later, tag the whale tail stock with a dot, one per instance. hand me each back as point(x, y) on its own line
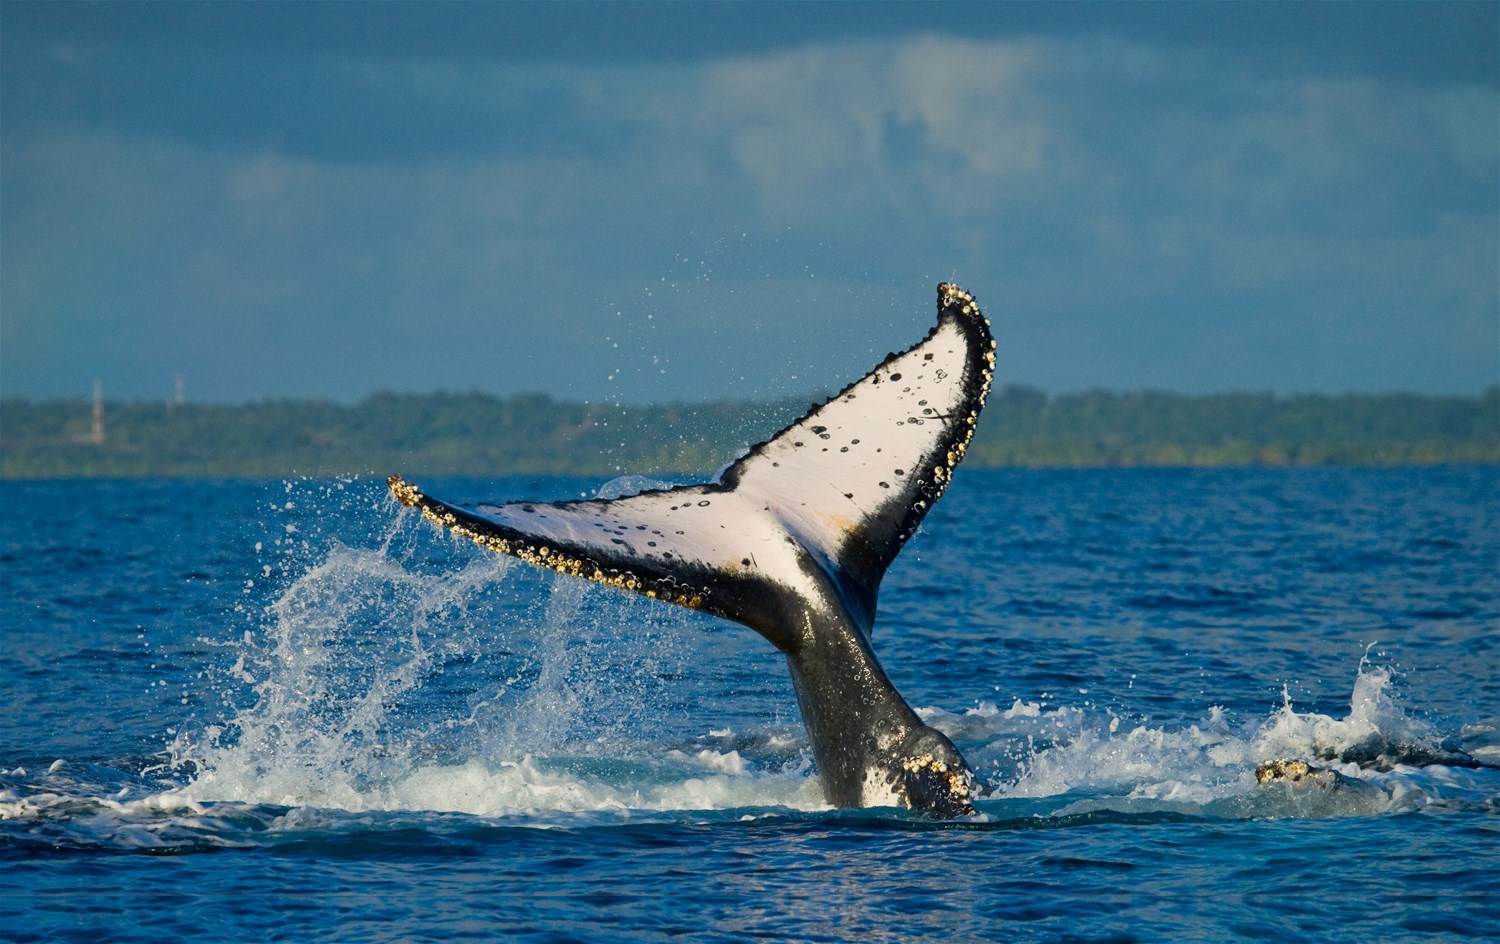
point(792, 541)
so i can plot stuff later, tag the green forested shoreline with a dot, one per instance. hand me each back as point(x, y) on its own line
point(477, 434)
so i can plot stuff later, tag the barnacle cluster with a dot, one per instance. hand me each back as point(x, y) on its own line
point(1290, 771)
point(540, 555)
point(956, 779)
point(950, 296)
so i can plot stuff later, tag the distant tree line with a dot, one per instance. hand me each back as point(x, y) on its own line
point(477, 434)
point(1024, 427)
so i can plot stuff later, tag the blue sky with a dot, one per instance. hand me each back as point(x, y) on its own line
point(672, 201)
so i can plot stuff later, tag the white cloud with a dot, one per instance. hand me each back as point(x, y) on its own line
point(929, 125)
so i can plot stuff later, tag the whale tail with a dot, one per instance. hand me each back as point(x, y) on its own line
point(793, 540)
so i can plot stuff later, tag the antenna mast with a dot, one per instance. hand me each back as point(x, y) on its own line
point(96, 434)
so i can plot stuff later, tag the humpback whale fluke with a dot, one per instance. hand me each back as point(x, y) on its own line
point(793, 541)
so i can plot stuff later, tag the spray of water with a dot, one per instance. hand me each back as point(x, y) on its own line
point(336, 674)
point(425, 674)
point(1087, 760)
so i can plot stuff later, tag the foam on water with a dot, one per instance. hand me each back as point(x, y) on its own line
point(288, 765)
point(1384, 759)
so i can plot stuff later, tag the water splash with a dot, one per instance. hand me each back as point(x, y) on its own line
point(425, 674)
point(1084, 761)
point(338, 674)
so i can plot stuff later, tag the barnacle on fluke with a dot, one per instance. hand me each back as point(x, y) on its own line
point(540, 555)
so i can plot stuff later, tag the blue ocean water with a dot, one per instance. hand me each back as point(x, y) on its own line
point(269, 711)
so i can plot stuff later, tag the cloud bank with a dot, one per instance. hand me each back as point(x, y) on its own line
point(1132, 215)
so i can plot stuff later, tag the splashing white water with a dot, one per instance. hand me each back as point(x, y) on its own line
point(379, 680)
point(341, 650)
point(1098, 762)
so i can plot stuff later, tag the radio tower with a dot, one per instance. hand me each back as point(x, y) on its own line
point(96, 434)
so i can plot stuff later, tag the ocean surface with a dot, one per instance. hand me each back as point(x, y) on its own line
point(291, 711)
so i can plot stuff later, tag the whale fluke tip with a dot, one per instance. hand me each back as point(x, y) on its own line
point(950, 293)
point(403, 491)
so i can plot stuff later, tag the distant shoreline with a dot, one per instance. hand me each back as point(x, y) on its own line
point(477, 434)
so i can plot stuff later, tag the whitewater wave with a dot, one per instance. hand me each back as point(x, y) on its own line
point(1379, 758)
